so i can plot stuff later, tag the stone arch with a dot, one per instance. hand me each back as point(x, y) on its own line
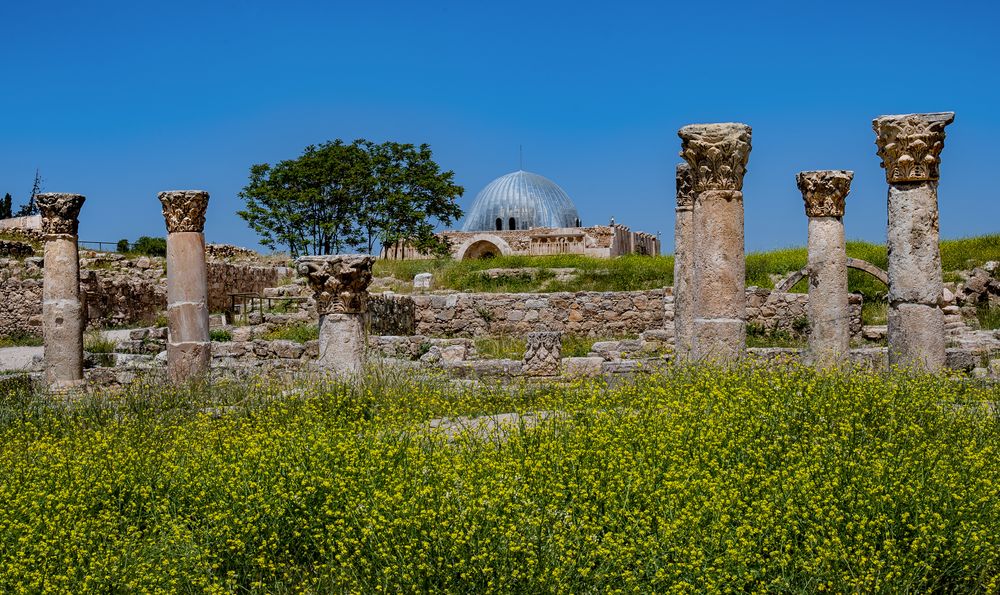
point(483, 245)
point(852, 263)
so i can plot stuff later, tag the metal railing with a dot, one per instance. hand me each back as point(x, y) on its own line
point(100, 245)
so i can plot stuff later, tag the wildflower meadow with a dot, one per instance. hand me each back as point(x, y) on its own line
point(693, 480)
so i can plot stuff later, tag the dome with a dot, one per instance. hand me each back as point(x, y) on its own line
point(521, 200)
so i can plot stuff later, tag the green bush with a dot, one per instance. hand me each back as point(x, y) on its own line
point(148, 246)
point(220, 335)
point(300, 333)
point(700, 480)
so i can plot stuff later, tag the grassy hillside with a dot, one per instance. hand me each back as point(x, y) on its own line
point(630, 273)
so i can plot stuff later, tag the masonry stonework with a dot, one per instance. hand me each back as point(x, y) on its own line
point(717, 155)
point(910, 150)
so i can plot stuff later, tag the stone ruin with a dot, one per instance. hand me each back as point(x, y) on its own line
point(704, 317)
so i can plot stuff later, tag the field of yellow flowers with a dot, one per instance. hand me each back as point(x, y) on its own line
point(698, 480)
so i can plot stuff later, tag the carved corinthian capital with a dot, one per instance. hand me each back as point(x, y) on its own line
point(910, 145)
point(717, 154)
point(184, 210)
point(339, 283)
point(824, 191)
point(685, 187)
point(60, 212)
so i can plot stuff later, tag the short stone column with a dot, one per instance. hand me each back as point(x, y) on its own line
point(824, 194)
point(910, 147)
point(683, 262)
point(717, 154)
point(543, 355)
point(62, 310)
point(340, 286)
point(189, 350)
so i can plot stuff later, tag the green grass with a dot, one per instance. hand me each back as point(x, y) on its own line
point(96, 342)
point(507, 347)
point(300, 333)
point(21, 340)
point(699, 480)
point(989, 317)
point(220, 335)
point(627, 273)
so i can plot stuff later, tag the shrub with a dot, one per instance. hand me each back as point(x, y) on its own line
point(300, 333)
point(148, 246)
point(220, 335)
point(123, 246)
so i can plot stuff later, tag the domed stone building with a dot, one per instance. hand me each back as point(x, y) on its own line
point(528, 214)
point(521, 200)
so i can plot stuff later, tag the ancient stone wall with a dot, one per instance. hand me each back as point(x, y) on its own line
point(225, 278)
point(117, 290)
point(598, 314)
point(581, 313)
point(390, 314)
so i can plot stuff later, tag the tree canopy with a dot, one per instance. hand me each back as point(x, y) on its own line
point(338, 196)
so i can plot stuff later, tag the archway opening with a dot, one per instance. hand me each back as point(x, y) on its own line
point(481, 249)
point(499, 224)
point(513, 224)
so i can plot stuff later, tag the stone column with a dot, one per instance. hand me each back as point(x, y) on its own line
point(340, 286)
point(189, 350)
point(683, 263)
point(824, 194)
point(717, 154)
point(543, 355)
point(910, 147)
point(62, 310)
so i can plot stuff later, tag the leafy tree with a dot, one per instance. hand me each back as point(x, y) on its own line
point(338, 196)
point(6, 209)
point(306, 203)
point(123, 246)
point(404, 194)
point(148, 246)
point(30, 207)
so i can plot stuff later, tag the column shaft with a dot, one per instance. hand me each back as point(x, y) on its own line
point(189, 349)
point(62, 313)
point(829, 317)
point(683, 263)
point(719, 328)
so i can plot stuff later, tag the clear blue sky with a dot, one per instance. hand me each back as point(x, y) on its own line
point(118, 100)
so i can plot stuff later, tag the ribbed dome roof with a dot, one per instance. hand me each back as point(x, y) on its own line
point(530, 199)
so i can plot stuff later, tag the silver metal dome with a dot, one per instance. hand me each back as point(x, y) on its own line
point(524, 199)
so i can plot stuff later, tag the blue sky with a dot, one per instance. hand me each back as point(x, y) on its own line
point(119, 100)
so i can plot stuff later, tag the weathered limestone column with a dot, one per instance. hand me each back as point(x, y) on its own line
point(189, 349)
point(683, 263)
point(824, 193)
point(340, 285)
point(910, 147)
point(718, 154)
point(62, 311)
point(543, 355)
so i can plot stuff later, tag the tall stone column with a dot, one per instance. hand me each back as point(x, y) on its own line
point(718, 154)
point(189, 349)
point(683, 262)
point(340, 286)
point(62, 310)
point(824, 194)
point(910, 146)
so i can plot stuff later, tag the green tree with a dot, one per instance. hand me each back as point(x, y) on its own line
point(306, 204)
point(30, 207)
point(405, 193)
point(338, 196)
point(6, 208)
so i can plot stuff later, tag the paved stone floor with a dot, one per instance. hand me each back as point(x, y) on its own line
point(18, 358)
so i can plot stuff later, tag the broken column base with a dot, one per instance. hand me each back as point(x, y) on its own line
point(718, 340)
point(188, 361)
point(916, 337)
point(341, 344)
